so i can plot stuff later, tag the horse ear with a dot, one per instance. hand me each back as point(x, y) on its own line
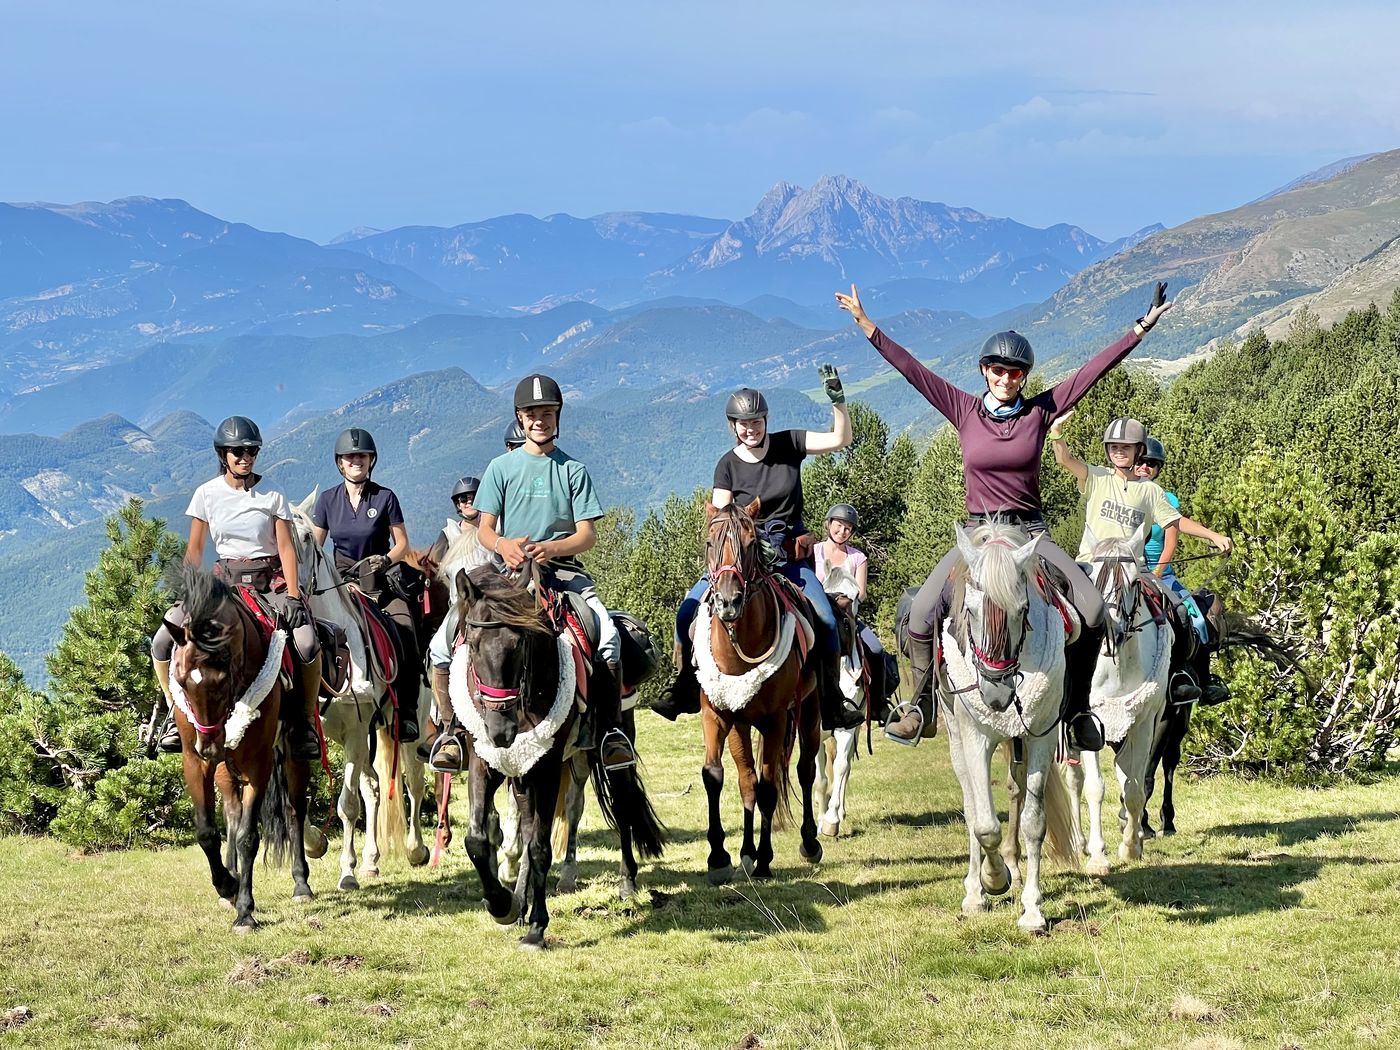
point(177, 632)
point(965, 548)
point(305, 506)
point(1024, 554)
point(467, 590)
point(710, 511)
point(752, 509)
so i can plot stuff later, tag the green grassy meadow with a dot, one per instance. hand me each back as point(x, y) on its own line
point(1269, 921)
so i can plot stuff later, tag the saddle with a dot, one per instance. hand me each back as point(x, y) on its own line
point(335, 655)
point(1166, 608)
point(638, 653)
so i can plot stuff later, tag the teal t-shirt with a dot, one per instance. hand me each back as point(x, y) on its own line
point(1152, 549)
point(539, 497)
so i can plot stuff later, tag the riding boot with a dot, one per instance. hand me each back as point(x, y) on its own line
point(1183, 687)
point(918, 722)
point(443, 752)
point(170, 732)
point(1085, 729)
point(405, 711)
point(301, 716)
point(614, 747)
point(1213, 691)
point(829, 694)
point(682, 696)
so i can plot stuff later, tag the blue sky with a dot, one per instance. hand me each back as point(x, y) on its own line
point(315, 117)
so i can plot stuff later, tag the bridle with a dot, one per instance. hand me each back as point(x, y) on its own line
point(493, 697)
point(745, 569)
point(1121, 615)
point(231, 687)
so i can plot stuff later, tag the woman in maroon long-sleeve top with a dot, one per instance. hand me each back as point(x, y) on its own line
point(1002, 435)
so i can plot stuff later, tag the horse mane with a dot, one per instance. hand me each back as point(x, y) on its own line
point(507, 602)
point(1004, 586)
point(204, 594)
point(465, 552)
point(1118, 557)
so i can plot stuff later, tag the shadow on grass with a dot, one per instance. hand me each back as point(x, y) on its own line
point(1305, 829)
point(926, 819)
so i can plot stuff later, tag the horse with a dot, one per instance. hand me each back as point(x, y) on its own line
point(226, 685)
point(380, 776)
point(1004, 649)
point(1128, 694)
point(515, 686)
point(858, 690)
point(749, 610)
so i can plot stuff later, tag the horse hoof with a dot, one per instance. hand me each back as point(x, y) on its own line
point(812, 853)
point(748, 863)
point(567, 884)
point(997, 882)
point(720, 876)
point(512, 913)
point(227, 902)
point(303, 897)
point(314, 842)
point(247, 925)
point(418, 856)
point(1033, 925)
point(627, 889)
point(370, 873)
point(830, 828)
point(348, 882)
point(1170, 829)
point(1097, 866)
point(532, 942)
point(973, 906)
point(1148, 833)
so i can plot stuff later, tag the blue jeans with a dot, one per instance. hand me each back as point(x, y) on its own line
point(1198, 621)
point(800, 574)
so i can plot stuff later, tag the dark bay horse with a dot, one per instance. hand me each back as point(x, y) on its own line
point(515, 686)
point(226, 677)
point(753, 675)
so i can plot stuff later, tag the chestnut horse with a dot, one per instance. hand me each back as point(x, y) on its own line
point(746, 612)
point(225, 678)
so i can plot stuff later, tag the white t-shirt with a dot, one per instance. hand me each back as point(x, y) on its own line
point(241, 524)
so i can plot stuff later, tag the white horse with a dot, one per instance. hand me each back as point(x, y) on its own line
point(347, 721)
point(1004, 648)
point(1129, 695)
point(840, 745)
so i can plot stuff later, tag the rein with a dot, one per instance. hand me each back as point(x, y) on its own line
point(737, 569)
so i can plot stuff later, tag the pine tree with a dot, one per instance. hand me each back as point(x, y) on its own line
point(103, 659)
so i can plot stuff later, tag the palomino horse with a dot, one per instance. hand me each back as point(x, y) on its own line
point(774, 690)
point(1128, 695)
point(349, 718)
point(841, 743)
point(515, 688)
point(1004, 647)
point(225, 682)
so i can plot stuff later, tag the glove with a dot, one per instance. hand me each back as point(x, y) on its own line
point(1158, 298)
point(370, 565)
point(831, 382)
point(298, 614)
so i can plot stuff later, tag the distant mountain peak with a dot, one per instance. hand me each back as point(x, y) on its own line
point(355, 234)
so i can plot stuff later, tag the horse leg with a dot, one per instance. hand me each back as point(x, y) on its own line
point(1171, 758)
point(1094, 792)
point(414, 786)
point(627, 863)
point(500, 902)
point(507, 845)
point(1073, 774)
point(720, 867)
point(536, 820)
point(974, 899)
point(1016, 798)
point(846, 741)
point(809, 752)
point(348, 808)
point(741, 749)
point(1131, 763)
point(1039, 756)
point(373, 794)
point(821, 787)
point(573, 814)
point(983, 822)
point(199, 782)
point(249, 838)
point(298, 773)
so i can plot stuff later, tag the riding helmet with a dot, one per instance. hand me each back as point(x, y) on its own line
point(237, 432)
point(746, 403)
point(1008, 348)
point(1152, 449)
point(1125, 431)
point(536, 390)
point(515, 435)
point(468, 486)
point(844, 512)
point(355, 440)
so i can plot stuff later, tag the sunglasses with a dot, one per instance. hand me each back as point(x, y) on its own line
point(1155, 463)
point(1002, 371)
point(464, 499)
point(243, 452)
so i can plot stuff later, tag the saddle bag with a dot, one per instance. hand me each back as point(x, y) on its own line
point(256, 574)
point(639, 657)
point(335, 655)
point(406, 582)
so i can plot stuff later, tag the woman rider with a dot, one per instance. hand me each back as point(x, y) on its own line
point(1154, 458)
point(515, 435)
point(1002, 435)
point(365, 524)
point(767, 466)
point(464, 503)
point(842, 520)
point(249, 519)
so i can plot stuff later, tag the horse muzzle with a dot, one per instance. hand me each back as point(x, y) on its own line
point(501, 728)
point(208, 746)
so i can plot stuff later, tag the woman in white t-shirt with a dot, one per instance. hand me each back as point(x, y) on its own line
point(249, 520)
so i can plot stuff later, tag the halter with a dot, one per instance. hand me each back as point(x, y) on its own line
point(727, 534)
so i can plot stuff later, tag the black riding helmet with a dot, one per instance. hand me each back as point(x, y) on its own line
point(844, 512)
point(356, 440)
point(1152, 449)
point(235, 432)
point(1008, 348)
point(467, 486)
point(538, 391)
point(515, 435)
point(746, 403)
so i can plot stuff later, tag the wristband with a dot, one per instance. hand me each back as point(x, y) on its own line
point(1055, 437)
point(497, 548)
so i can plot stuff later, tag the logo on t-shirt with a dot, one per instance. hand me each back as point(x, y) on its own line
point(1128, 517)
point(371, 512)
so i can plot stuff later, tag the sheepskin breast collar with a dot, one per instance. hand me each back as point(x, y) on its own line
point(245, 709)
point(731, 692)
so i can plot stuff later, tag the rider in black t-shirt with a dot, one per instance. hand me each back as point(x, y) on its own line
point(766, 465)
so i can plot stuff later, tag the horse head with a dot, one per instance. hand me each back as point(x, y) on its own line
point(514, 663)
point(1118, 579)
point(731, 557)
point(999, 561)
point(211, 658)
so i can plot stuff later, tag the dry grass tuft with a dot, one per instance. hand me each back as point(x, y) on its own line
point(1188, 1008)
point(248, 973)
point(15, 1017)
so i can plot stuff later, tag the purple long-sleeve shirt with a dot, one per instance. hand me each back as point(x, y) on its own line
point(1001, 457)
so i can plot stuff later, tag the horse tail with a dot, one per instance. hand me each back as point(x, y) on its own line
point(622, 796)
point(559, 834)
point(272, 821)
point(1241, 632)
point(1062, 845)
point(392, 825)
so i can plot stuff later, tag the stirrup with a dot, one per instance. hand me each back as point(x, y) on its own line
point(607, 741)
point(435, 751)
point(897, 715)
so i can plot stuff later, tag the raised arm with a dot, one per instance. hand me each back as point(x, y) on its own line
point(839, 436)
point(1063, 456)
point(938, 392)
point(1069, 393)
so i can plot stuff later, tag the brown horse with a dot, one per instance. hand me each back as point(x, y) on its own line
point(228, 692)
point(753, 675)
